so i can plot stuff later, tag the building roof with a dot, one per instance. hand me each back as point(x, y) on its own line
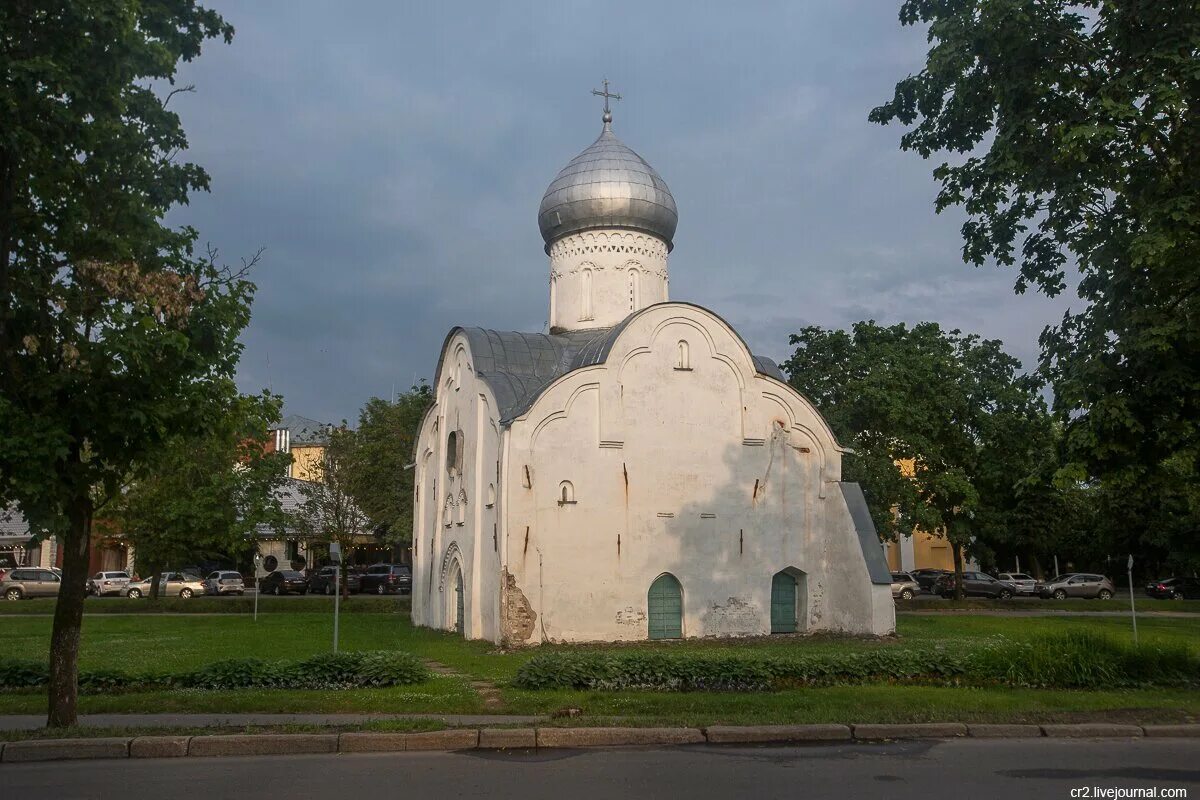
point(607, 186)
point(868, 538)
point(519, 366)
point(291, 498)
point(302, 430)
point(13, 527)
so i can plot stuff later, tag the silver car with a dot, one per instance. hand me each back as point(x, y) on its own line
point(172, 584)
point(30, 582)
point(1077, 584)
point(224, 582)
point(1025, 583)
point(904, 586)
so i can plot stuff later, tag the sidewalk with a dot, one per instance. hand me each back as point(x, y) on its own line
point(30, 722)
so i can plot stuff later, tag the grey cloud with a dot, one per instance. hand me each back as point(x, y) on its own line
point(391, 157)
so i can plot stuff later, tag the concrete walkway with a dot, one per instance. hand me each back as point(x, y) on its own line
point(29, 722)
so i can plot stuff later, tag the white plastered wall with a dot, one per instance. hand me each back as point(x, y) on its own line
point(701, 468)
point(456, 511)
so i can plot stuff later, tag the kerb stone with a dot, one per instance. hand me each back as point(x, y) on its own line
point(159, 746)
point(66, 749)
point(265, 744)
point(1087, 730)
point(613, 737)
point(1003, 731)
point(728, 734)
point(507, 738)
point(917, 730)
point(443, 740)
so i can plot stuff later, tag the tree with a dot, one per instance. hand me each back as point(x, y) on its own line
point(380, 475)
point(204, 492)
point(113, 332)
point(329, 512)
point(942, 425)
point(1075, 131)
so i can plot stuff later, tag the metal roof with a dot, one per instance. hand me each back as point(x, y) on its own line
point(302, 430)
point(13, 525)
point(868, 538)
point(607, 186)
point(518, 367)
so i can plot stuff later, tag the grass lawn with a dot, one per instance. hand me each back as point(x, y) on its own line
point(179, 642)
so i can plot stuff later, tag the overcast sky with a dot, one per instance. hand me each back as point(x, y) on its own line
point(390, 158)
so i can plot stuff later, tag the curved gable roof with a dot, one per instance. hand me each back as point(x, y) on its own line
point(518, 367)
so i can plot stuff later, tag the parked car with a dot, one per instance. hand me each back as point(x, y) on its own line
point(103, 583)
point(284, 581)
point(1076, 584)
point(1026, 584)
point(904, 586)
point(322, 581)
point(30, 582)
point(926, 576)
point(1174, 589)
point(171, 584)
point(975, 584)
point(387, 578)
point(224, 582)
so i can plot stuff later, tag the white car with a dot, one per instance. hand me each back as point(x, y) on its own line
point(103, 583)
point(224, 582)
point(1025, 583)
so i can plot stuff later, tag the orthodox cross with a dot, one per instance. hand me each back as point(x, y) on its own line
point(606, 94)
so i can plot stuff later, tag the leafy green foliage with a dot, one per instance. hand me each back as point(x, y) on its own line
point(114, 333)
point(975, 431)
point(378, 472)
point(1076, 660)
point(204, 492)
point(1075, 145)
point(326, 671)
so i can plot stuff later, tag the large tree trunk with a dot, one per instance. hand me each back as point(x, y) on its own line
point(959, 592)
point(68, 618)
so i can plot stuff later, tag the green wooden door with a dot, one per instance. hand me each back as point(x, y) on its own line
point(666, 608)
point(458, 614)
point(783, 603)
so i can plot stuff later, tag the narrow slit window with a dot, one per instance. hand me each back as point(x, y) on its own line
point(682, 356)
point(585, 295)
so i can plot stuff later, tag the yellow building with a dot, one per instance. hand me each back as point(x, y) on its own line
point(306, 439)
point(920, 549)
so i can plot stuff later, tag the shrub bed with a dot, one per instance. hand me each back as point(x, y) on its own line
point(352, 670)
point(1072, 661)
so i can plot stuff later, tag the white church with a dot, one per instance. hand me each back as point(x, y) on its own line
point(636, 472)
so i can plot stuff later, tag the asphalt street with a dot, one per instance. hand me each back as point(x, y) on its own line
point(1029, 769)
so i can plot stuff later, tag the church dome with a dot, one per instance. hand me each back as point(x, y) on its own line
point(607, 186)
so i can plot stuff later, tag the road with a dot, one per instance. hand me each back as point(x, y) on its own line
point(976, 769)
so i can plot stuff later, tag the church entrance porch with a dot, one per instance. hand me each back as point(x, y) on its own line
point(789, 601)
point(665, 601)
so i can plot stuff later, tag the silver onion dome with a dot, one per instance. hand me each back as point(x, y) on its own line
point(607, 186)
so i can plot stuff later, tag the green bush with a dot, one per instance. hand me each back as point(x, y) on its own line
point(20, 673)
point(1076, 660)
point(326, 671)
